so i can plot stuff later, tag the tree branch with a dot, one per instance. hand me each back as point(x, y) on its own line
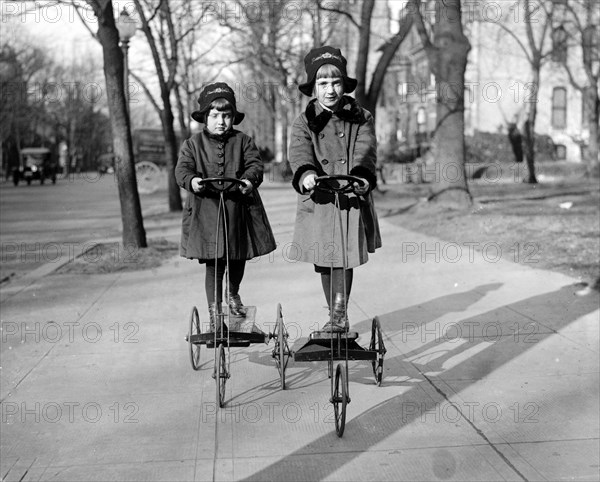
point(147, 92)
point(414, 7)
point(341, 12)
point(389, 50)
point(518, 40)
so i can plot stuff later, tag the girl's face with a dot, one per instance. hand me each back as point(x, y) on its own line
point(329, 91)
point(218, 122)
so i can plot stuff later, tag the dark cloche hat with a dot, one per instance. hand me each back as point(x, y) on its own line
point(321, 56)
point(211, 92)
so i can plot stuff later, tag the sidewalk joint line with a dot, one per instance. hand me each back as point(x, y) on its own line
point(53, 346)
point(472, 424)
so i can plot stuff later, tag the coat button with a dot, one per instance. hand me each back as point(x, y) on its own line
point(220, 154)
point(343, 161)
point(220, 173)
point(321, 135)
point(340, 134)
point(324, 162)
point(221, 145)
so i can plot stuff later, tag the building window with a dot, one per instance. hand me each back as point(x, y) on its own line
point(561, 152)
point(559, 108)
point(559, 44)
point(585, 111)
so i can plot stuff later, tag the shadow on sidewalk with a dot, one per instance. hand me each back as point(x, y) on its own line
point(511, 331)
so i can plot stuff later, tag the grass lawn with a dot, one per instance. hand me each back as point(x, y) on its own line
point(108, 258)
point(553, 226)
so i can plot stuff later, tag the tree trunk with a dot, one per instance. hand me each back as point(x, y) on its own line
point(388, 52)
point(530, 129)
point(166, 114)
point(171, 153)
point(449, 64)
point(284, 132)
point(362, 55)
point(183, 125)
point(593, 107)
point(131, 212)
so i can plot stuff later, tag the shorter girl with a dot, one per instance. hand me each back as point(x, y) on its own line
point(221, 151)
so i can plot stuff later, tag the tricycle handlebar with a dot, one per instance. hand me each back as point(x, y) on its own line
point(213, 182)
point(327, 183)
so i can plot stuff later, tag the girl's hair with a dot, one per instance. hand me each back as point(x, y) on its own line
point(222, 105)
point(328, 71)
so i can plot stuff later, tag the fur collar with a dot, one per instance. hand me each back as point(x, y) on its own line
point(220, 137)
point(348, 111)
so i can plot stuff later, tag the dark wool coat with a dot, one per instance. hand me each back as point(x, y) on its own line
point(342, 143)
point(232, 155)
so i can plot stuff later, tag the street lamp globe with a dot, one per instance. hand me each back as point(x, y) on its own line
point(126, 26)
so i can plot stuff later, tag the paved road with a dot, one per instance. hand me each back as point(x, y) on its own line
point(492, 373)
point(41, 224)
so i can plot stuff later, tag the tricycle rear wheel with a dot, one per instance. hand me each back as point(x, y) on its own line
point(194, 330)
point(377, 345)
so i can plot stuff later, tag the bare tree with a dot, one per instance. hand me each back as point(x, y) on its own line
point(447, 56)
point(537, 18)
point(131, 213)
point(272, 44)
point(163, 43)
point(581, 26)
point(198, 63)
point(19, 64)
point(369, 90)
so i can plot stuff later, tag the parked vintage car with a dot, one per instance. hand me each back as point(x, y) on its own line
point(36, 163)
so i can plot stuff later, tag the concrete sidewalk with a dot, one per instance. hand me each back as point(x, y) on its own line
point(491, 373)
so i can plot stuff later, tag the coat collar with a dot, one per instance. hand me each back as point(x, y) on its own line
point(219, 137)
point(348, 111)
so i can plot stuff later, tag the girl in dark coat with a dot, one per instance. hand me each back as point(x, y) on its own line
point(335, 135)
point(221, 151)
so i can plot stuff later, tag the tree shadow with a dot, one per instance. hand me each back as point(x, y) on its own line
point(482, 344)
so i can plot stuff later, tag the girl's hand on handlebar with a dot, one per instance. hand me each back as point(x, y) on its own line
point(309, 182)
point(196, 186)
point(361, 188)
point(247, 189)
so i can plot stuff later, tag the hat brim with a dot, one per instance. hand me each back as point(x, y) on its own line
point(308, 87)
point(200, 117)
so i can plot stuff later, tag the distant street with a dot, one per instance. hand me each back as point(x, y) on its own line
point(38, 220)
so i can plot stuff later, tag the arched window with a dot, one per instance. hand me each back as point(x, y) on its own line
point(559, 108)
point(559, 44)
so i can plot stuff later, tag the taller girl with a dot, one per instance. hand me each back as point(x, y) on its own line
point(334, 135)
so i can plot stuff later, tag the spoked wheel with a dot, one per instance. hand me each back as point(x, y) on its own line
point(148, 177)
point(378, 346)
point(281, 351)
point(194, 330)
point(221, 375)
point(340, 399)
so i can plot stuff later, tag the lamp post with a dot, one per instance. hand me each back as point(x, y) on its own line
point(126, 27)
